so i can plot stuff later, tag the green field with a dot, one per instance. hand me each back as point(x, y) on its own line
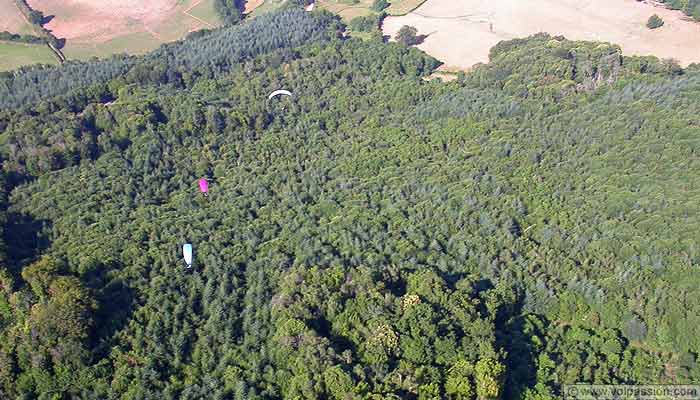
point(267, 6)
point(348, 9)
point(206, 12)
point(15, 55)
point(402, 7)
point(134, 43)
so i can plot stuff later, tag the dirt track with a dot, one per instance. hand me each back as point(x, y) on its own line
point(461, 32)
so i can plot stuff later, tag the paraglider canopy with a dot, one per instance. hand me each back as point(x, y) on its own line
point(279, 93)
point(204, 186)
point(187, 254)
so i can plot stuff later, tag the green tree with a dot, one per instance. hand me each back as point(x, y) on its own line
point(407, 36)
point(488, 375)
point(40, 274)
point(379, 5)
point(655, 22)
point(459, 384)
point(338, 382)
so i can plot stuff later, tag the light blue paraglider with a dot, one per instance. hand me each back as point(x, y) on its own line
point(187, 254)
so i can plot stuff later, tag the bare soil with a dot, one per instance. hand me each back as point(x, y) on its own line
point(91, 21)
point(11, 19)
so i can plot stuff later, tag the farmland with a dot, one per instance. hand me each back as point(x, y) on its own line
point(125, 26)
point(461, 33)
point(15, 55)
point(11, 19)
point(346, 9)
point(349, 9)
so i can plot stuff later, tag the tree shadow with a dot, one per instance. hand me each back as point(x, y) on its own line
point(115, 309)
point(513, 336)
point(25, 239)
point(60, 43)
point(324, 328)
point(47, 19)
point(421, 38)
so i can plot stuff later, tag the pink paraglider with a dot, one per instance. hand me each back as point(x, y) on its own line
point(204, 186)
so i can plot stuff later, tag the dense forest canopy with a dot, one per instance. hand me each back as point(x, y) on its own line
point(379, 235)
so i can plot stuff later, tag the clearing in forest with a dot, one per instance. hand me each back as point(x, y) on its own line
point(101, 28)
point(347, 10)
point(461, 32)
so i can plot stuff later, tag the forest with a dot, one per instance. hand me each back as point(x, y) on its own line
point(377, 235)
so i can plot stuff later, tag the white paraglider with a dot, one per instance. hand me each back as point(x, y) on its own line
point(187, 254)
point(280, 92)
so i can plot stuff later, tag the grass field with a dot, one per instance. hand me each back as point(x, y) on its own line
point(15, 55)
point(267, 6)
point(403, 7)
point(206, 12)
point(347, 9)
point(134, 43)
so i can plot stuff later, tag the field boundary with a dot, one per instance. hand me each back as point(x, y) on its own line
point(187, 12)
point(24, 9)
point(409, 11)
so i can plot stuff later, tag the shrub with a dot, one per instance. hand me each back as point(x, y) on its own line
point(655, 22)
